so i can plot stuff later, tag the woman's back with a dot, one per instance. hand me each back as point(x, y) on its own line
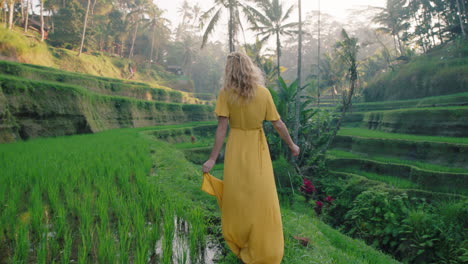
point(248, 115)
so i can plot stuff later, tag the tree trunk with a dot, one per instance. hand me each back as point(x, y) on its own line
point(318, 69)
point(42, 20)
point(231, 27)
point(26, 19)
point(318, 60)
point(278, 54)
point(22, 10)
point(299, 76)
point(93, 6)
point(152, 45)
point(400, 46)
point(395, 44)
point(84, 28)
point(460, 14)
point(11, 11)
point(130, 54)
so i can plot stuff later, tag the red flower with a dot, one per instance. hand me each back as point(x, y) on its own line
point(319, 204)
point(308, 187)
point(329, 199)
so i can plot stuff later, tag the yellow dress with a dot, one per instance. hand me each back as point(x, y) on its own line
point(250, 212)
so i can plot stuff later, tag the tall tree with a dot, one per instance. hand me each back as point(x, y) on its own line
point(26, 18)
point(299, 75)
point(159, 27)
point(270, 20)
point(460, 18)
point(42, 20)
point(213, 15)
point(11, 11)
point(394, 19)
point(85, 24)
point(347, 51)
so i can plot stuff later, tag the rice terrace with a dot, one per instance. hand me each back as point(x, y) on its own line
point(110, 110)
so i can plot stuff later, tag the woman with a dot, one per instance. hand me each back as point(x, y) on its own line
point(251, 218)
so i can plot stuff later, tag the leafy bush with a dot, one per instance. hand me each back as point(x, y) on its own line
point(410, 228)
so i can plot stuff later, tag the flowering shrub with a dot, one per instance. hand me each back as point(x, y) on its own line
point(318, 207)
point(329, 200)
point(307, 189)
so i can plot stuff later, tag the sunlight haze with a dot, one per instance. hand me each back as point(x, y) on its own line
point(336, 8)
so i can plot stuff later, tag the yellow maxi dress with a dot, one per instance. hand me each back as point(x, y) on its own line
point(250, 212)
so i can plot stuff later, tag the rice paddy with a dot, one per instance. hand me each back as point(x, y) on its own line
point(88, 199)
point(121, 196)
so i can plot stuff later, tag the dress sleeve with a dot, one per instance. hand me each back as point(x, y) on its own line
point(271, 112)
point(222, 108)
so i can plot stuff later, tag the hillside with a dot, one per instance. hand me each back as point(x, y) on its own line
point(441, 71)
point(39, 101)
point(23, 47)
point(398, 170)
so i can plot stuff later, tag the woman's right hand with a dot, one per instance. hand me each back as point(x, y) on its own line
point(295, 150)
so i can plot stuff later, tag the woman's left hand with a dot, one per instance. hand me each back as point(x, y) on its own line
point(208, 165)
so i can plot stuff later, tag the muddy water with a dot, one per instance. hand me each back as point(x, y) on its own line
point(180, 246)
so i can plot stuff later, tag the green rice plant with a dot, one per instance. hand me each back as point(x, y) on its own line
point(197, 233)
point(67, 247)
point(106, 253)
point(42, 250)
point(124, 241)
point(84, 249)
point(168, 231)
point(22, 244)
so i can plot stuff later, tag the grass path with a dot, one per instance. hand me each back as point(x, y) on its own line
point(183, 179)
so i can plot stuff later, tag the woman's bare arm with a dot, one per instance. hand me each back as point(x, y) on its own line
point(219, 141)
point(284, 134)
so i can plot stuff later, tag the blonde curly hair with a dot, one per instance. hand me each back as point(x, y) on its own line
point(241, 77)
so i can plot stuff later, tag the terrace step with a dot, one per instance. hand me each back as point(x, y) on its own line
point(403, 175)
point(97, 84)
point(440, 121)
point(373, 184)
point(41, 109)
point(442, 153)
point(459, 99)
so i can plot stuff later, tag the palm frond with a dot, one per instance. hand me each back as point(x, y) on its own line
point(211, 26)
point(288, 13)
point(205, 16)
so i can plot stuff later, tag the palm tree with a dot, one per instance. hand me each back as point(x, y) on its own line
point(85, 24)
point(299, 75)
point(460, 15)
point(270, 21)
point(11, 9)
point(347, 51)
point(159, 27)
point(216, 12)
point(394, 19)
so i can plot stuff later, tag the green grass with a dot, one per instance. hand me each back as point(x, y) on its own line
point(438, 72)
point(91, 191)
point(366, 133)
point(421, 165)
point(432, 101)
point(392, 181)
point(110, 86)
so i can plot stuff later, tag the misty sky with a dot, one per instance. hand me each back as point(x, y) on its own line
point(337, 8)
